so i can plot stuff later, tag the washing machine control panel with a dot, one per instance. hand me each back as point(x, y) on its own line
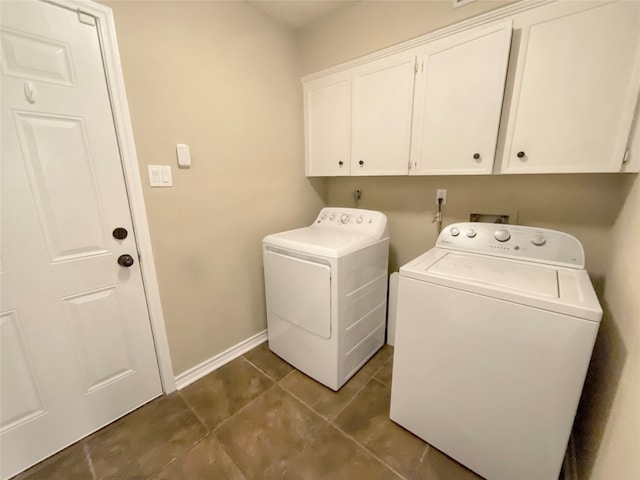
point(514, 241)
point(353, 219)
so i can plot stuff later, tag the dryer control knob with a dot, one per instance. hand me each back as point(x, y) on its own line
point(359, 220)
point(538, 240)
point(324, 216)
point(471, 232)
point(344, 218)
point(332, 216)
point(502, 235)
point(455, 231)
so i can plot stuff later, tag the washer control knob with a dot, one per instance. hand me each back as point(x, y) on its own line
point(344, 218)
point(538, 240)
point(323, 216)
point(471, 232)
point(359, 220)
point(502, 235)
point(455, 231)
point(332, 216)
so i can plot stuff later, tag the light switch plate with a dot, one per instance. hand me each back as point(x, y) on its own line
point(160, 176)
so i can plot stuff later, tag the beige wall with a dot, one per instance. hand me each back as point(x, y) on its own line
point(223, 78)
point(608, 424)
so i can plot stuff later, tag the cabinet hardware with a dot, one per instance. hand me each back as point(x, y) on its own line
point(361, 162)
point(520, 154)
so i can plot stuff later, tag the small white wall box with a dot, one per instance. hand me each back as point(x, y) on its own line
point(184, 155)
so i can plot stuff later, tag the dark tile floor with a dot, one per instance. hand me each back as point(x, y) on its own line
point(259, 418)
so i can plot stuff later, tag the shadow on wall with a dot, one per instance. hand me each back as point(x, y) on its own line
point(601, 385)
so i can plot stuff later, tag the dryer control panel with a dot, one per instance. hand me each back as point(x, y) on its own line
point(369, 222)
point(514, 241)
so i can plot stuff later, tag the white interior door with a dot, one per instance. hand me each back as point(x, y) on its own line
point(77, 349)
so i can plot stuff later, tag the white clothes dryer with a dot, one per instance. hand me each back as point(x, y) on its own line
point(495, 329)
point(326, 293)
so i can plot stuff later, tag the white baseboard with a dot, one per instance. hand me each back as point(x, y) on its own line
point(215, 362)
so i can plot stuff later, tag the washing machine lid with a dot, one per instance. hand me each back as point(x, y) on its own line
point(554, 288)
point(325, 242)
point(527, 278)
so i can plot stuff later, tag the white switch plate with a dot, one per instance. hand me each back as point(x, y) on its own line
point(160, 176)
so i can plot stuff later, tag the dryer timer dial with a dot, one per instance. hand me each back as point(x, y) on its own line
point(344, 218)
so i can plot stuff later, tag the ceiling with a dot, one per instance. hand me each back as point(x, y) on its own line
point(299, 13)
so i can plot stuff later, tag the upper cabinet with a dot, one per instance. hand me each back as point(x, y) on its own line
point(459, 90)
point(358, 121)
point(575, 89)
point(327, 121)
point(382, 108)
point(558, 97)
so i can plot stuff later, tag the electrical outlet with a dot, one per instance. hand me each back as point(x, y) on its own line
point(441, 193)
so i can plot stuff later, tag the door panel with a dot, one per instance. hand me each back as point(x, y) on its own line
point(20, 398)
point(459, 100)
point(328, 126)
point(383, 103)
point(576, 87)
point(78, 350)
point(68, 216)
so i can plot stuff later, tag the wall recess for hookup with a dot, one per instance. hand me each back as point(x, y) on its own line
point(441, 193)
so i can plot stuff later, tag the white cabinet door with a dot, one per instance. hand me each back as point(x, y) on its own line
point(328, 125)
point(459, 91)
point(575, 89)
point(382, 108)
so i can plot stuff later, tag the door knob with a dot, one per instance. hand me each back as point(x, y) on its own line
point(125, 260)
point(120, 233)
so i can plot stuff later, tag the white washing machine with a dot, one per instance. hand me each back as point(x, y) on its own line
point(495, 328)
point(326, 292)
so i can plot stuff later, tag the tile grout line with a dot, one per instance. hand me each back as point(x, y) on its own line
point(262, 371)
point(85, 447)
point(422, 459)
point(368, 451)
point(331, 422)
point(313, 437)
point(195, 413)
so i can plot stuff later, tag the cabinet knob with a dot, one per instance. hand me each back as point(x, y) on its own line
point(340, 162)
point(361, 162)
point(476, 156)
point(520, 154)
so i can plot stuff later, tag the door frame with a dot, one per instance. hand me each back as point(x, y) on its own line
point(133, 181)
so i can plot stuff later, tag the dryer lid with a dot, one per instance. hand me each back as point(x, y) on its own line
point(325, 242)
